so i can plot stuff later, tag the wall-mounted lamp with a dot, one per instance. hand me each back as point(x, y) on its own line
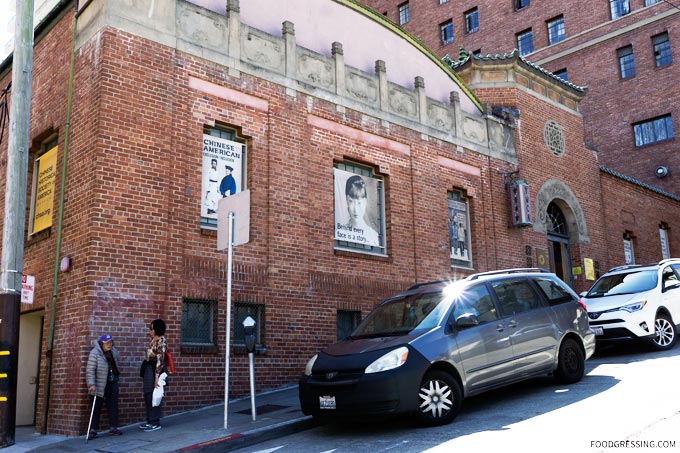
point(661, 171)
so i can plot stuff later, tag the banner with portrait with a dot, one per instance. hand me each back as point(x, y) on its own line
point(357, 216)
point(222, 172)
point(459, 237)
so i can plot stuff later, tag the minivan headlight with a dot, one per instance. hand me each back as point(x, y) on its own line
point(310, 364)
point(389, 361)
point(637, 306)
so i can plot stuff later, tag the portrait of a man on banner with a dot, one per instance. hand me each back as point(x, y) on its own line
point(356, 209)
point(222, 172)
point(458, 231)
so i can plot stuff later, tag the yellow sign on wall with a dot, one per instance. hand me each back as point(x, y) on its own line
point(44, 193)
point(590, 268)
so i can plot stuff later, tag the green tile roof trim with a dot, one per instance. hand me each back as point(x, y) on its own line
point(616, 174)
point(510, 56)
point(395, 28)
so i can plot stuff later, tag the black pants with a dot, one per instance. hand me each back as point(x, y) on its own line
point(153, 414)
point(111, 398)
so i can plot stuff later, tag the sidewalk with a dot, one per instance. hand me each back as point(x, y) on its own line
point(198, 431)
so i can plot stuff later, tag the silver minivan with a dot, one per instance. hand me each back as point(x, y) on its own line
point(424, 350)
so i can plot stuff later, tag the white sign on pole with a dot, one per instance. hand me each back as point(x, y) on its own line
point(27, 288)
point(239, 204)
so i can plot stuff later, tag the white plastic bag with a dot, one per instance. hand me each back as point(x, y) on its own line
point(158, 391)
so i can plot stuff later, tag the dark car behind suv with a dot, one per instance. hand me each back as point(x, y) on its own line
point(424, 350)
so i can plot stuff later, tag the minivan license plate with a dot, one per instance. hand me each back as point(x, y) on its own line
point(598, 330)
point(327, 402)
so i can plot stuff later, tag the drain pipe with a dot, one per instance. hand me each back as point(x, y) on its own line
point(60, 221)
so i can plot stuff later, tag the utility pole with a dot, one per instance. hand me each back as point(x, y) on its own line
point(15, 218)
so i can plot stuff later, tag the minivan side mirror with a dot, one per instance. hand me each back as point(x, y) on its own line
point(583, 293)
point(467, 320)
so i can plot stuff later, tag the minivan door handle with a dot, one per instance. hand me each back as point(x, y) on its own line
point(500, 327)
point(512, 323)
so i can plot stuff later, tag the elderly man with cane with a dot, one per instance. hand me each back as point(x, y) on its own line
point(102, 382)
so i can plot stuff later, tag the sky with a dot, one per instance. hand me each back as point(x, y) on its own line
point(4, 18)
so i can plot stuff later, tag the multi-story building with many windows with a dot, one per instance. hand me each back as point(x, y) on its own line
point(623, 51)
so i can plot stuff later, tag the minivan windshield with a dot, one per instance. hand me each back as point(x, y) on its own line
point(625, 283)
point(402, 315)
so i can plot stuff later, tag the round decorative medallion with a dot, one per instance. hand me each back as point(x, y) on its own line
point(554, 138)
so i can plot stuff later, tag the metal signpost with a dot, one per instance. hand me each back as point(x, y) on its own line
point(233, 228)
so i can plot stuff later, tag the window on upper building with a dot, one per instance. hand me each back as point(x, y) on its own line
point(619, 8)
point(404, 13)
point(626, 62)
point(223, 170)
point(653, 131)
point(199, 322)
point(525, 42)
point(44, 176)
point(556, 31)
point(441, 2)
point(256, 311)
point(347, 321)
point(471, 20)
point(662, 50)
point(520, 4)
point(446, 32)
point(359, 209)
point(562, 74)
point(651, 2)
point(459, 229)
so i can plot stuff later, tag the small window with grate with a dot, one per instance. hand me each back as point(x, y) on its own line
point(199, 322)
point(556, 32)
point(347, 322)
point(359, 209)
point(619, 8)
point(256, 311)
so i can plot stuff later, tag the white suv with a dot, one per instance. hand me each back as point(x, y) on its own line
point(641, 302)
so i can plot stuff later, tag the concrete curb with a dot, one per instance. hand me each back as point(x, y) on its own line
point(248, 438)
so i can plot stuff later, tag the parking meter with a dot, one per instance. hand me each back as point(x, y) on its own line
point(249, 334)
point(249, 338)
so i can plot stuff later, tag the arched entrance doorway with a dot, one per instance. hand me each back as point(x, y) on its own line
point(558, 243)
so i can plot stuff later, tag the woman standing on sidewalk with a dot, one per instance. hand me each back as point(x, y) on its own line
point(152, 367)
point(102, 382)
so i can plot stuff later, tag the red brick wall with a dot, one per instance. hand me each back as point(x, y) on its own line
point(132, 210)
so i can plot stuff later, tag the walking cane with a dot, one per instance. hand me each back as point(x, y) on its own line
point(89, 425)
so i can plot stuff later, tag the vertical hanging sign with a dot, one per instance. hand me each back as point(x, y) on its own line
point(44, 190)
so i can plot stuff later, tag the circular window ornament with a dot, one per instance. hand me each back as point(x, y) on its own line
point(554, 138)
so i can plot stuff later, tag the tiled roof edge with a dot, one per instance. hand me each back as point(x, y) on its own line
point(510, 56)
point(616, 174)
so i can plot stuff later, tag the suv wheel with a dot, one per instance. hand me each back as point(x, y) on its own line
point(439, 398)
point(664, 333)
point(570, 363)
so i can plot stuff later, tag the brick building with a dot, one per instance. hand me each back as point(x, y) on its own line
point(622, 50)
point(297, 109)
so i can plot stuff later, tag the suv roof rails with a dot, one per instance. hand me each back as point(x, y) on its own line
point(518, 270)
point(632, 266)
point(419, 285)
